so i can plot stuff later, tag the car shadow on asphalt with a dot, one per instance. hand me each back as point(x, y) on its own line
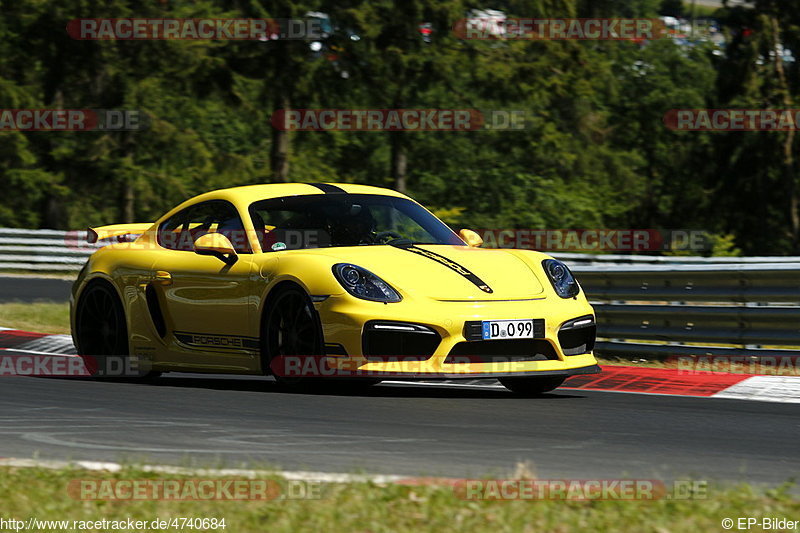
point(385, 390)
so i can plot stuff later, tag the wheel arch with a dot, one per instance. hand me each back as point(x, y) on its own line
point(274, 290)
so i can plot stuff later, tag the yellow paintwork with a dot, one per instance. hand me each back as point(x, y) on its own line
point(214, 242)
point(471, 238)
point(210, 299)
point(116, 230)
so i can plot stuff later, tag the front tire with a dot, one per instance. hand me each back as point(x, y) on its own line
point(292, 328)
point(532, 386)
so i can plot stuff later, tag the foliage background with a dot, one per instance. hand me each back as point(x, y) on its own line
point(597, 154)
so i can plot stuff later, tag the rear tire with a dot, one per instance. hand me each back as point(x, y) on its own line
point(532, 386)
point(101, 328)
point(100, 322)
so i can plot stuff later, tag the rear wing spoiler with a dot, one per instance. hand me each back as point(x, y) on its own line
point(121, 231)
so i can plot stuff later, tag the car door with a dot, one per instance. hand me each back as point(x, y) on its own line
point(205, 300)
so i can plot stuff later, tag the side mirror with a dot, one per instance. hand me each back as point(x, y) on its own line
point(471, 238)
point(216, 244)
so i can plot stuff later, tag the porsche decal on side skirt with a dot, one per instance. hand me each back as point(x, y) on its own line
point(204, 340)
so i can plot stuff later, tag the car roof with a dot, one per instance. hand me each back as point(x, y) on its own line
point(245, 195)
point(251, 193)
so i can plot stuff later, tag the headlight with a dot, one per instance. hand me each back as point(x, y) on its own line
point(362, 283)
point(562, 279)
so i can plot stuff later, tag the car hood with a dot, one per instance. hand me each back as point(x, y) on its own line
point(444, 272)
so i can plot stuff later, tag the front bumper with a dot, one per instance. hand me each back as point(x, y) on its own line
point(344, 319)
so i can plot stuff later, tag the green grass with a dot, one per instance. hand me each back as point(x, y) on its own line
point(41, 317)
point(367, 507)
point(20, 273)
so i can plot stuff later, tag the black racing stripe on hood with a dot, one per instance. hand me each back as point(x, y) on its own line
point(452, 265)
point(328, 188)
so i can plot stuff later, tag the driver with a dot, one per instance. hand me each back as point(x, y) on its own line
point(356, 226)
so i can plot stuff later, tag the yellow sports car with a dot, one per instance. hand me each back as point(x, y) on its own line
point(315, 281)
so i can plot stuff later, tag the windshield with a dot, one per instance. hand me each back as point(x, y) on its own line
point(328, 220)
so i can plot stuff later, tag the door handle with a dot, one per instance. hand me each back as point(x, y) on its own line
point(162, 277)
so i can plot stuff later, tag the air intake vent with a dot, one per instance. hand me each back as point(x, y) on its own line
point(383, 340)
point(154, 307)
point(502, 351)
point(577, 336)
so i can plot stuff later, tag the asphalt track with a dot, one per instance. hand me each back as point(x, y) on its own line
point(30, 289)
point(196, 420)
point(393, 429)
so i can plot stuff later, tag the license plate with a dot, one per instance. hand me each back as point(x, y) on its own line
point(507, 329)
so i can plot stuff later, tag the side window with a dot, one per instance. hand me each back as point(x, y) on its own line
point(170, 234)
point(181, 230)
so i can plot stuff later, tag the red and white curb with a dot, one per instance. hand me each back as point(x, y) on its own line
point(625, 379)
point(691, 383)
point(784, 389)
point(38, 343)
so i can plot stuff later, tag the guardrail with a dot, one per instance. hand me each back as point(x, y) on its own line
point(43, 250)
point(611, 259)
point(718, 309)
point(647, 306)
